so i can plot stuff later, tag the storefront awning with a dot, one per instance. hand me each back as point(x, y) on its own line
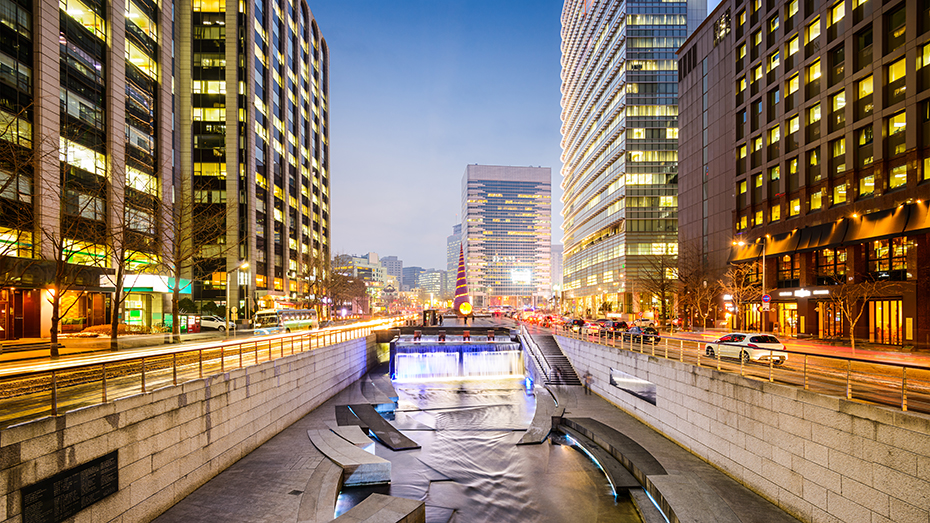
point(878, 225)
point(919, 220)
point(746, 252)
point(782, 243)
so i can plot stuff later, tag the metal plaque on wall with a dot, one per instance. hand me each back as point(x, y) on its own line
point(65, 494)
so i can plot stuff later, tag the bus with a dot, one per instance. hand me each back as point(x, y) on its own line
point(274, 321)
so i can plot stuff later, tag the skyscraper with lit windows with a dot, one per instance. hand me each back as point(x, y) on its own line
point(619, 145)
point(506, 233)
point(254, 139)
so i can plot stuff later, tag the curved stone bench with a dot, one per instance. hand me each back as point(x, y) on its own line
point(318, 501)
point(378, 508)
point(542, 422)
point(359, 467)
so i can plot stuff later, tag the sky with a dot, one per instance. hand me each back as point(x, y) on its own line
point(418, 90)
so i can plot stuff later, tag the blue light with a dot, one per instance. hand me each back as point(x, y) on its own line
point(529, 383)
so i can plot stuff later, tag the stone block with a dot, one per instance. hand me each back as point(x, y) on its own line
point(847, 510)
point(27, 430)
point(905, 439)
point(814, 473)
point(88, 414)
point(32, 448)
point(874, 500)
point(851, 466)
point(814, 494)
point(901, 511)
point(909, 489)
point(782, 476)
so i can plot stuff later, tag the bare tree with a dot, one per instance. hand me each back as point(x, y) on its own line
point(659, 279)
point(739, 282)
point(698, 288)
point(851, 298)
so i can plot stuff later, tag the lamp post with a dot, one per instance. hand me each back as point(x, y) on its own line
point(762, 313)
point(242, 266)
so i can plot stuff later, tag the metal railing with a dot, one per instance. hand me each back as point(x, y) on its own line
point(40, 389)
point(541, 360)
point(903, 385)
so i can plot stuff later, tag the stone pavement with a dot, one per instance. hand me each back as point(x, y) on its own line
point(267, 484)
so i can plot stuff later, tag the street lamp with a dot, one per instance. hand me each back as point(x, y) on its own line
point(763, 313)
point(242, 266)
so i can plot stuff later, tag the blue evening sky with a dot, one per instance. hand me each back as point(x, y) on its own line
point(418, 90)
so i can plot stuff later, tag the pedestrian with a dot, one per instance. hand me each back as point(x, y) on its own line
point(440, 320)
point(588, 380)
point(558, 376)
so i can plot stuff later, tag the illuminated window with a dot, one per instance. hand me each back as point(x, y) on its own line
point(82, 157)
point(756, 73)
point(838, 101)
point(741, 85)
point(793, 84)
point(741, 52)
point(813, 71)
point(138, 18)
point(775, 173)
point(865, 87)
point(773, 24)
point(741, 18)
point(839, 194)
point(84, 15)
point(813, 114)
point(759, 220)
point(897, 124)
point(637, 134)
point(774, 61)
point(757, 181)
point(793, 45)
point(757, 38)
point(757, 144)
point(792, 8)
point(839, 147)
point(838, 12)
point(896, 71)
point(742, 187)
point(816, 200)
point(775, 212)
point(813, 30)
point(774, 134)
point(794, 124)
point(867, 185)
point(217, 170)
point(210, 6)
point(794, 207)
point(741, 152)
point(743, 222)
point(898, 176)
point(671, 133)
point(141, 181)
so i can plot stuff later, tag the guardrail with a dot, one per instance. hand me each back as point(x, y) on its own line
point(541, 361)
point(885, 382)
point(35, 390)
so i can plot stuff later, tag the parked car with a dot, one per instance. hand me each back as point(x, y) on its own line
point(215, 323)
point(578, 325)
point(646, 334)
point(748, 347)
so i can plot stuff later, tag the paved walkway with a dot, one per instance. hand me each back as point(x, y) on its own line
point(266, 485)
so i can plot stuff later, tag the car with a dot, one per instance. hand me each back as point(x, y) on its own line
point(215, 323)
point(748, 347)
point(644, 334)
point(577, 325)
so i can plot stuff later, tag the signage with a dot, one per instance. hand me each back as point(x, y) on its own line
point(765, 306)
point(727, 297)
point(802, 293)
point(67, 493)
point(766, 298)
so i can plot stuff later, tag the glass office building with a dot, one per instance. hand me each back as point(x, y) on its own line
point(619, 145)
point(506, 232)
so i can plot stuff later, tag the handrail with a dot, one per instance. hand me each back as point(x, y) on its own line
point(102, 370)
point(896, 370)
point(544, 365)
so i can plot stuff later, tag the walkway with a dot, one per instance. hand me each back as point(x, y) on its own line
point(267, 485)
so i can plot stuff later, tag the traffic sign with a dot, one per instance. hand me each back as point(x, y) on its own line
point(766, 298)
point(765, 306)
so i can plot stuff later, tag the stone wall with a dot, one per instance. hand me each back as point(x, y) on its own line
point(174, 439)
point(820, 458)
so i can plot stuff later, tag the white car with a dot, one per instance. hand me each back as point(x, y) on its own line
point(748, 347)
point(215, 323)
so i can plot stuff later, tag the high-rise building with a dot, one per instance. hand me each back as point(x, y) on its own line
point(556, 269)
point(411, 277)
point(253, 114)
point(507, 234)
point(619, 145)
point(807, 163)
point(453, 241)
point(394, 267)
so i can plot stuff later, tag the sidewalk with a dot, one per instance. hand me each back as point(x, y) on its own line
point(267, 484)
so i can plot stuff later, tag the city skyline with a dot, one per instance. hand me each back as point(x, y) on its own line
point(484, 80)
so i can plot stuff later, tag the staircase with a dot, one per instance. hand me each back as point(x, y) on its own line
point(565, 375)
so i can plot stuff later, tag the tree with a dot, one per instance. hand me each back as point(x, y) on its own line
point(698, 288)
point(659, 279)
point(740, 283)
point(851, 297)
point(606, 307)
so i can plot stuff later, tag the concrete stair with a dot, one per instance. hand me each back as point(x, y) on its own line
point(553, 353)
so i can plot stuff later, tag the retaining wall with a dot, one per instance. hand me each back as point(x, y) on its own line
point(820, 458)
point(174, 439)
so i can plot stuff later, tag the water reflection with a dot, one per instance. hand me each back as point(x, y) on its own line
point(470, 469)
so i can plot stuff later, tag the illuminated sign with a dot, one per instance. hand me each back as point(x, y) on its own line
point(802, 293)
point(521, 276)
point(465, 308)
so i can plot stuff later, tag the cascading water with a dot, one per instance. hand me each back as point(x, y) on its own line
point(426, 360)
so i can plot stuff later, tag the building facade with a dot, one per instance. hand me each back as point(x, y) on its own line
point(826, 159)
point(620, 146)
point(556, 254)
point(506, 232)
point(453, 241)
point(253, 113)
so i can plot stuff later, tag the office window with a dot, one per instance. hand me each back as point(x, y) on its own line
point(794, 84)
point(813, 71)
point(838, 101)
point(757, 144)
point(864, 103)
point(741, 52)
point(897, 24)
point(837, 12)
point(774, 61)
point(774, 173)
point(864, 138)
point(741, 85)
point(756, 73)
point(742, 223)
point(867, 185)
point(774, 134)
point(925, 175)
point(794, 124)
point(813, 114)
point(773, 24)
point(741, 152)
point(897, 125)
point(775, 212)
point(839, 147)
point(898, 176)
point(792, 8)
point(759, 220)
point(923, 59)
point(757, 181)
point(896, 83)
point(743, 187)
point(813, 30)
point(794, 207)
point(839, 194)
point(793, 45)
point(816, 200)
point(741, 18)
